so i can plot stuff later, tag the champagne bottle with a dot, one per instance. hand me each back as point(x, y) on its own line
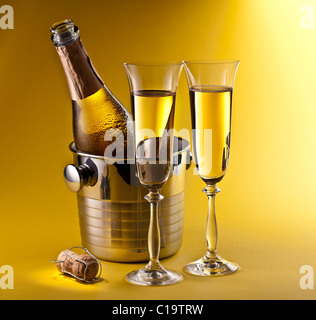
point(95, 109)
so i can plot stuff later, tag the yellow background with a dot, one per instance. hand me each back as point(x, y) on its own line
point(267, 208)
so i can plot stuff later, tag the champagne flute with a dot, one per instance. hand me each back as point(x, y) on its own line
point(153, 92)
point(211, 88)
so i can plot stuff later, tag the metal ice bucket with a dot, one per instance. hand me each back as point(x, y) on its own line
point(113, 215)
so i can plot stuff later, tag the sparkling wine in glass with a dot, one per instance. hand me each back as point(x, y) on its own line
point(153, 91)
point(211, 90)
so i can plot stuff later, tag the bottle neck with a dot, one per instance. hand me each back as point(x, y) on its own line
point(64, 32)
point(82, 78)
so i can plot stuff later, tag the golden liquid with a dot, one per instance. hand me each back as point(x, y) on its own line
point(154, 115)
point(211, 108)
point(152, 170)
point(93, 116)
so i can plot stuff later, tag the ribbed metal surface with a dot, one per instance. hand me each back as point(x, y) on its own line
point(118, 231)
point(113, 215)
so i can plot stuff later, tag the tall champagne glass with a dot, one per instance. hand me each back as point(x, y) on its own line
point(153, 92)
point(211, 91)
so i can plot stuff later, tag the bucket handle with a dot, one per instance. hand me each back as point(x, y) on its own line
point(77, 177)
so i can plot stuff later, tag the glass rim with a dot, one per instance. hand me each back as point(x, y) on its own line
point(211, 61)
point(153, 63)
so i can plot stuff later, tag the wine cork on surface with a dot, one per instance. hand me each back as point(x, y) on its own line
point(88, 270)
point(82, 266)
point(65, 260)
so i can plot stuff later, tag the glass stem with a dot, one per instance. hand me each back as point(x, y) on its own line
point(211, 225)
point(154, 197)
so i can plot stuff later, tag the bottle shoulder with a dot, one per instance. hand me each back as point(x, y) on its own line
point(103, 102)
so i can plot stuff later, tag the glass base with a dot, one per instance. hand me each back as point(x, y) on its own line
point(153, 277)
point(212, 265)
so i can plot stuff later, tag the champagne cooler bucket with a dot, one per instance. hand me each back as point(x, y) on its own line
point(113, 214)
